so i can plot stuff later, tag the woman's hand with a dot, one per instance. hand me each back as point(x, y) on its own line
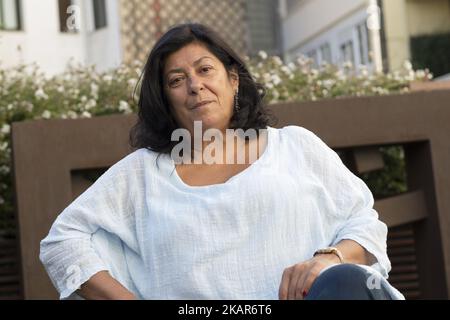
point(102, 286)
point(298, 279)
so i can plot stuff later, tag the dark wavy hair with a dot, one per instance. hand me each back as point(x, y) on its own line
point(156, 123)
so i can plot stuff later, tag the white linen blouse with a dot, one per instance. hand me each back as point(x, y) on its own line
point(164, 239)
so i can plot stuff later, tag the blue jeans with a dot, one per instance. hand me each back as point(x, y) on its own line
point(348, 282)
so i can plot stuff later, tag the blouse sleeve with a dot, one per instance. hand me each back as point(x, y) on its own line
point(67, 252)
point(352, 202)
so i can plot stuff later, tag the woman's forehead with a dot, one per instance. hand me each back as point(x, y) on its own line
point(190, 55)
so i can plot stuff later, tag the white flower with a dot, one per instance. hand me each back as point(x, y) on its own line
point(291, 66)
point(108, 78)
point(286, 70)
point(328, 83)
point(40, 94)
point(6, 129)
point(303, 60)
point(276, 79)
point(46, 114)
point(4, 169)
point(9, 107)
point(262, 55)
point(277, 60)
point(90, 104)
point(267, 77)
point(2, 201)
point(276, 94)
point(132, 82)
point(420, 74)
point(3, 146)
point(348, 65)
point(314, 73)
point(124, 107)
point(407, 65)
point(83, 99)
point(60, 89)
point(86, 114)
point(28, 106)
point(74, 93)
point(72, 114)
point(363, 70)
point(94, 89)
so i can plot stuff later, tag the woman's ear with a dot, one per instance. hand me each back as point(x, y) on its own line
point(234, 78)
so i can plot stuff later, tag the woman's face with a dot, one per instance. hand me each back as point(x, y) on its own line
point(199, 88)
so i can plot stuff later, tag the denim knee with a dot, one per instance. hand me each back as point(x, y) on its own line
point(348, 282)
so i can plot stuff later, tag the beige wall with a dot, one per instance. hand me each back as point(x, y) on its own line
point(428, 16)
point(407, 18)
point(396, 30)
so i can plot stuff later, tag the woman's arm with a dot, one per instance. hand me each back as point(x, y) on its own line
point(101, 286)
point(353, 252)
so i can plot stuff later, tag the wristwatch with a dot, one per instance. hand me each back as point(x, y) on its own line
point(330, 250)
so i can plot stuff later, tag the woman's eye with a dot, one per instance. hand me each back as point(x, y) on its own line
point(175, 81)
point(206, 69)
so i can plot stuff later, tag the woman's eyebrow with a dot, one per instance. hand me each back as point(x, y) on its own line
point(181, 70)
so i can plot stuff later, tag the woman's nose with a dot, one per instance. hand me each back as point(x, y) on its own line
point(195, 85)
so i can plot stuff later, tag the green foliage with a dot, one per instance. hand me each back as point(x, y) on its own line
point(433, 52)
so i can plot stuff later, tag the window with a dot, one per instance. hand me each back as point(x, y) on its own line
point(325, 53)
point(347, 52)
point(363, 43)
point(10, 15)
point(99, 14)
point(313, 56)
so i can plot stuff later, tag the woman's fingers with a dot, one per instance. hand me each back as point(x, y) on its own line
point(300, 288)
point(309, 282)
point(297, 273)
point(284, 285)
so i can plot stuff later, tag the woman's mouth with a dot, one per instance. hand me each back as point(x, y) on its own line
point(201, 104)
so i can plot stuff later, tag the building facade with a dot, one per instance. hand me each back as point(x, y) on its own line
point(51, 33)
point(109, 32)
point(336, 31)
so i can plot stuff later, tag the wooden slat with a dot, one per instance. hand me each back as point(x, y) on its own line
point(394, 243)
point(407, 286)
point(9, 289)
point(404, 268)
point(14, 278)
point(367, 159)
point(395, 260)
point(9, 269)
point(412, 294)
point(401, 250)
point(400, 233)
point(403, 277)
point(402, 209)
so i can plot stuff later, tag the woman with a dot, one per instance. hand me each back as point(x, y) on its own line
point(291, 222)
